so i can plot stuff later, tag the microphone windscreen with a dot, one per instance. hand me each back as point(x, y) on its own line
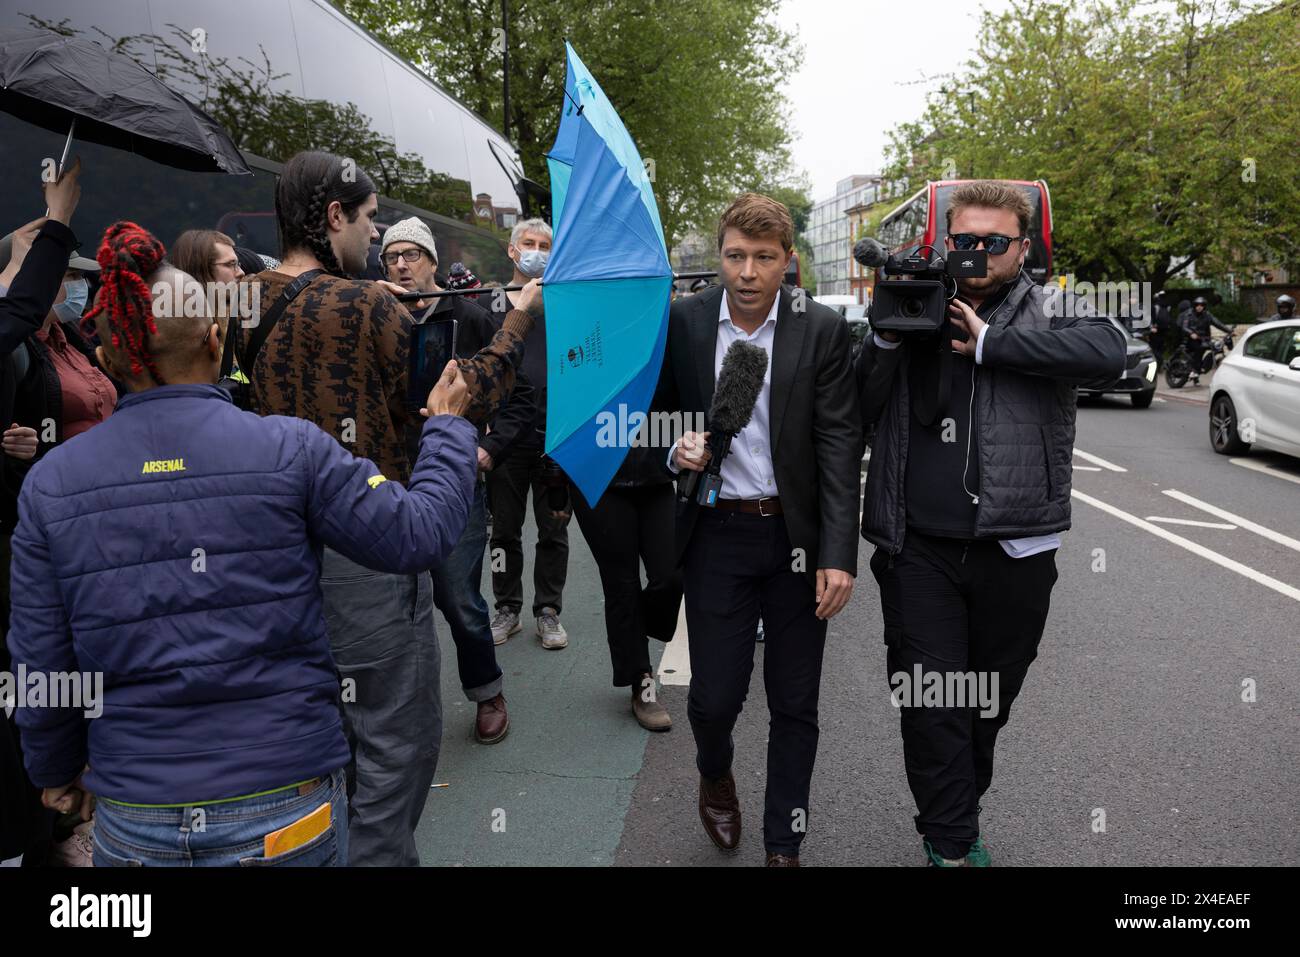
point(739, 382)
point(869, 252)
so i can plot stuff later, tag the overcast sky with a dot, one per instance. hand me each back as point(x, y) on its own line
point(861, 61)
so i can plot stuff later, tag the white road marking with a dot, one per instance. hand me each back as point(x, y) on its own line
point(1266, 469)
point(1189, 521)
point(1227, 516)
point(1097, 460)
point(675, 665)
point(1086, 468)
point(1282, 588)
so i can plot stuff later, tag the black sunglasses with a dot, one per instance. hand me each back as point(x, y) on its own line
point(995, 243)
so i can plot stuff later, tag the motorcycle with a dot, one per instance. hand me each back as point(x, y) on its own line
point(1183, 365)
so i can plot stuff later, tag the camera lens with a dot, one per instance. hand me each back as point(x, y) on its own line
point(911, 307)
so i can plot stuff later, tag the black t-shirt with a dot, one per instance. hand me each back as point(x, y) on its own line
point(937, 460)
point(943, 473)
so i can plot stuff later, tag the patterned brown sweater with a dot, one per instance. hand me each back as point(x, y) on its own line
point(338, 358)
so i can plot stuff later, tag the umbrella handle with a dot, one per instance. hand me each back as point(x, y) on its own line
point(63, 160)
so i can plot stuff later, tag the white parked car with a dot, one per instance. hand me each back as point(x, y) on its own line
point(1255, 396)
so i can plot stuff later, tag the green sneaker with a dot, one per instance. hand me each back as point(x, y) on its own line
point(978, 855)
point(934, 860)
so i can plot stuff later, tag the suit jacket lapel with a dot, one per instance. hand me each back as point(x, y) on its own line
point(704, 340)
point(787, 351)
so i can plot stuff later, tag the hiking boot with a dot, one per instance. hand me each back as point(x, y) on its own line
point(550, 630)
point(504, 624)
point(651, 715)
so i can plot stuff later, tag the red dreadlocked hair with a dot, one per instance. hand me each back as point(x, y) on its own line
point(127, 254)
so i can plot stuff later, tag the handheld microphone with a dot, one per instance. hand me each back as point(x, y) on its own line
point(739, 382)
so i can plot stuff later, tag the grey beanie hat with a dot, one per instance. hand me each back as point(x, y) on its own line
point(412, 230)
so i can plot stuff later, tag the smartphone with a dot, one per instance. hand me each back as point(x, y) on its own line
point(433, 345)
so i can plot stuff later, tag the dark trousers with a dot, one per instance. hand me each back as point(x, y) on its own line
point(508, 486)
point(628, 527)
point(458, 594)
point(953, 606)
point(386, 650)
point(737, 568)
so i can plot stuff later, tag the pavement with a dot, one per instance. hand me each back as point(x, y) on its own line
point(1157, 726)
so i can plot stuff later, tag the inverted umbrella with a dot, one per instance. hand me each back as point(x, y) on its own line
point(60, 83)
point(606, 287)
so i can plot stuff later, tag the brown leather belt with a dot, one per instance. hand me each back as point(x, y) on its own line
point(767, 507)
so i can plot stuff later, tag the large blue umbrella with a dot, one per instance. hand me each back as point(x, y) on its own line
point(606, 287)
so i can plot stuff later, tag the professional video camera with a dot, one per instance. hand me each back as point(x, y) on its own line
point(919, 302)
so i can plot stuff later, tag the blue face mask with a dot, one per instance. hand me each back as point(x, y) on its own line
point(76, 292)
point(532, 262)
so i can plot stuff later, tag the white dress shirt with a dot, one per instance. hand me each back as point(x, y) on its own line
point(747, 470)
point(1015, 547)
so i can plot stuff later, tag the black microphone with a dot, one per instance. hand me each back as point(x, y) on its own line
point(739, 382)
point(869, 253)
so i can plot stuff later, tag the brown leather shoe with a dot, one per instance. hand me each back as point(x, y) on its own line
point(651, 715)
point(492, 722)
point(720, 811)
point(781, 860)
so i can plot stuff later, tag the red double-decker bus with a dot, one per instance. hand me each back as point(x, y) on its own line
point(923, 220)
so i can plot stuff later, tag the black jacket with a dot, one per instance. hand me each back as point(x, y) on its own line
point(1035, 354)
point(38, 399)
point(474, 329)
point(815, 436)
point(533, 367)
point(1200, 323)
point(29, 300)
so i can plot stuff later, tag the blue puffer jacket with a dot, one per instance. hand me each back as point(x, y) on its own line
point(176, 548)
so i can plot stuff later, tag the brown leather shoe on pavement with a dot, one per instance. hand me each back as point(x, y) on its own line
point(492, 722)
point(781, 860)
point(720, 811)
point(651, 715)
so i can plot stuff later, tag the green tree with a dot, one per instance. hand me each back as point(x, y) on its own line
point(697, 82)
point(1166, 133)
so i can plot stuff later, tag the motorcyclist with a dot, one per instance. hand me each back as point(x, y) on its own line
point(1285, 308)
point(1196, 326)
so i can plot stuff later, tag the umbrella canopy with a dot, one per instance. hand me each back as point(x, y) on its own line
point(606, 287)
point(50, 80)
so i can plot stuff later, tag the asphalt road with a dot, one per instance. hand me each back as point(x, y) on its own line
point(1134, 707)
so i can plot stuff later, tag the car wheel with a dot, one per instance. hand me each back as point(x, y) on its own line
point(1224, 435)
point(1142, 400)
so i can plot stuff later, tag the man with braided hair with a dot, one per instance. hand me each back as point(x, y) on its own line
point(337, 356)
point(175, 549)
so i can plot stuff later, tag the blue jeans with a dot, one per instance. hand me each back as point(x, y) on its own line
point(225, 834)
point(458, 595)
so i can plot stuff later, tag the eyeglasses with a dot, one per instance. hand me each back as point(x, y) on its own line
point(995, 243)
point(410, 255)
point(231, 264)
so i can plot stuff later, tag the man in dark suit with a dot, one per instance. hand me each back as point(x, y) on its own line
point(780, 542)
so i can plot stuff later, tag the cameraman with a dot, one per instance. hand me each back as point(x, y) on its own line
point(964, 511)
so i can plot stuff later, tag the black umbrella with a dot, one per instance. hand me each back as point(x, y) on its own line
point(61, 83)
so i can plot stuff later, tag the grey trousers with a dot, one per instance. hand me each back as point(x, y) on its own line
point(382, 636)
